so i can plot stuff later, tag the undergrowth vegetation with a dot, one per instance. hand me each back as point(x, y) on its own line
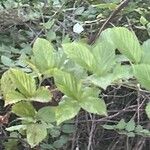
point(75, 75)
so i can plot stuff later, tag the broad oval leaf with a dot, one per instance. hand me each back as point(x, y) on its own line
point(127, 43)
point(93, 105)
point(46, 114)
point(43, 54)
point(142, 73)
point(24, 109)
point(80, 53)
point(23, 81)
point(10, 86)
point(68, 84)
point(36, 133)
point(104, 55)
point(66, 110)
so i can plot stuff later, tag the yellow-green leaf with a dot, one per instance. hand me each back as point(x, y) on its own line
point(24, 109)
point(24, 82)
point(80, 53)
point(127, 43)
point(68, 84)
point(94, 105)
point(142, 73)
point(66, 110)
point(36, 133)
point(42, 95)
point(43, 54)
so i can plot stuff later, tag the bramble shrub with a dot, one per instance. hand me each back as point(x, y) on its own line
point(79, 72)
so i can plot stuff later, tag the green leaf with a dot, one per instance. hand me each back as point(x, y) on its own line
point(103, 81)
point(79, 10)
point(131, 134)
point(10, 86)
point(109, 127)
point(106, 37)
point(80, 53)
point(121, 125)
point(138, 128)
point(66, 110)
point(68, 84)
point(51, 35)
point(130, 126)
point(142, 73)
point(16, 128)
point(36, 133)
point(55, 132)
point(93, 105)
point(122, 72)
point(127, 43)
point(68, 128)
point(143, 20)
point(49, 24)
point(91, 91)
point(24, 82)
point(59, 143)
point(146, 52)
point(147, 109)
point(104, 55)
point(24, 109)
point(42, 95)
point(46, 114)
point(13, 97)
point(7, 61)
point(43, 54)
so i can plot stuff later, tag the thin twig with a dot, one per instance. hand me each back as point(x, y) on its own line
point(91, 133)
point(116, 11)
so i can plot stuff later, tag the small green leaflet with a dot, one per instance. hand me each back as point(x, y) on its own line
point(121, 124)
point(130, 126)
